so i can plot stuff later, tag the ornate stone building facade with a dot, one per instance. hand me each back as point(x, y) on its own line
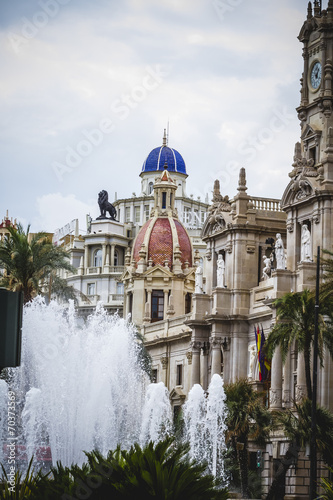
point(257, 250)
point(198, 297)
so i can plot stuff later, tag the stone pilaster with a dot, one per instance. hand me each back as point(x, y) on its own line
point(86, 258)
point(195, 363)
point(166, 300)
point(164, 374)
point(204, 368)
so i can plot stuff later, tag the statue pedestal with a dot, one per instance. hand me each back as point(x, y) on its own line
point(107, 226)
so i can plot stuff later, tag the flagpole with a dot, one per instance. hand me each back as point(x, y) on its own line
point(313, 443)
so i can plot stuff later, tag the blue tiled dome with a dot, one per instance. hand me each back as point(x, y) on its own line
point(159, 156)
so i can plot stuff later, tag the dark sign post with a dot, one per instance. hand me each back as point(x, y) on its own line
point(11, 308)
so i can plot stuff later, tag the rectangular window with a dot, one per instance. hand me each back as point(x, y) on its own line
point(202, 217)
point(127, 214)
point(147, 211)
point(120, 288)
point(91, 289)
point(137, 214)
point(179, 380)
point(157, 305)
point(164, 199)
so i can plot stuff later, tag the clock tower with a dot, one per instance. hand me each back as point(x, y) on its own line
point(315, 110)
point(308, 199)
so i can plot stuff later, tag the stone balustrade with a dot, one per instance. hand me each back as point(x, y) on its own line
point(267, 204)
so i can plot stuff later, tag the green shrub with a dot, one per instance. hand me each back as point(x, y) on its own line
point(156, 471)
point(19, 487)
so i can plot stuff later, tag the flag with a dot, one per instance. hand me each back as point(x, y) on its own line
point(266, 360)
point(264, 364)
point(258, 342)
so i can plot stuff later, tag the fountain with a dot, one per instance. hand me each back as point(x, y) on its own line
point(205, 427)
point(157, 414)
point(81, 387)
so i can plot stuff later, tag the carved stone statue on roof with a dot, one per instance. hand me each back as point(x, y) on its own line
point(219, 205)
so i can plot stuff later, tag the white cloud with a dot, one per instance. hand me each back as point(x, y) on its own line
point(55, 210)
point(225, 80)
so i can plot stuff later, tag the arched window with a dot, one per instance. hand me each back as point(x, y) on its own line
point(150, 187)
point(98, 258)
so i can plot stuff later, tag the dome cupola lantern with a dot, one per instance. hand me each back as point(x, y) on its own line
point(164, 195)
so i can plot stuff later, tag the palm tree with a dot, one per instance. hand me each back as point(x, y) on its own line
point(297, 427)
point(326, 485)
point(28, 262)
point(247, 419)
point(295, 323)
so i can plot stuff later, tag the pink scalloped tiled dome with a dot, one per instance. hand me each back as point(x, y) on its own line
point(160, 242)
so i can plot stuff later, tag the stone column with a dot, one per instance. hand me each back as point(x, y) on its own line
point(301, 391)
point(204, 368)
point(112, 254)
point(195, 363)
point(86, 258)
point(216, 356)
point(287, 381)
point(103, 255)
point(275, 396)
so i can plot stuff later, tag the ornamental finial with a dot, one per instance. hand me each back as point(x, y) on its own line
point(309, 10)
point(242, 180)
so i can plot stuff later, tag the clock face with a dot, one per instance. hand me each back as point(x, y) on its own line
point(315, 77)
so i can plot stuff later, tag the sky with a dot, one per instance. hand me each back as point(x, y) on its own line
point(87, 88)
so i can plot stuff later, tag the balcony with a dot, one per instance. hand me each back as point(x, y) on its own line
point(94, 270)
point(117, 298)
point(115, 269)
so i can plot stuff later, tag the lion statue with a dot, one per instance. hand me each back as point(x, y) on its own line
point(106, 206)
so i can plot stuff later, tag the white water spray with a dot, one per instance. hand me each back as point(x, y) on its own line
point(82, 386)
point(205, 426)
point(157, 415)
